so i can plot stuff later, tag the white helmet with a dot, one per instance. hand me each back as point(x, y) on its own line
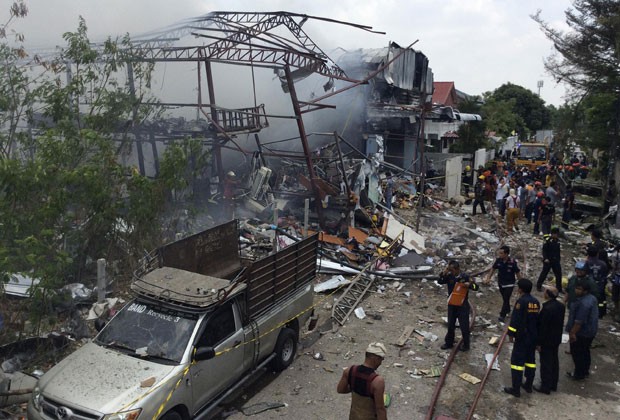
point(231, 173)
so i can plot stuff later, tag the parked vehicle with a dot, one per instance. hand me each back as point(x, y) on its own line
point(532, 155)
point(203, 321)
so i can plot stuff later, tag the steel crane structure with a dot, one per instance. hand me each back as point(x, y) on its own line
point(249, 39)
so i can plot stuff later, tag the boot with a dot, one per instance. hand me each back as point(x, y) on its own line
point(517, 378)
point(527, 385)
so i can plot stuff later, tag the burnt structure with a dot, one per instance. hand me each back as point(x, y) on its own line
point(396, 100)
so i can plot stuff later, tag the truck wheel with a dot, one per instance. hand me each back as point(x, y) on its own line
point(285, 350)
point(172, 415)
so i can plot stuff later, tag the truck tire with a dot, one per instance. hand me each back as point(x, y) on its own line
point(285, 350)
point(172, 415)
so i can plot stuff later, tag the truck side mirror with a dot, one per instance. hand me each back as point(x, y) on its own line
point(204, 353)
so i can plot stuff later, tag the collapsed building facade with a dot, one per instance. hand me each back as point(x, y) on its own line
point(397, 87)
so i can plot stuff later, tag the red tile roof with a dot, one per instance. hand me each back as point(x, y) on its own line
point(444, 93)
point(450, 135)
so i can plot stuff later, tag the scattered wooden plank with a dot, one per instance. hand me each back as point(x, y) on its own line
point(405, 336)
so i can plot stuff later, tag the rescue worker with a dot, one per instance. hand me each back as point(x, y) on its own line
point(581, 274)
point(550, 327)
point(598, 271)
point(523, 331)
point(551, 260)
point(479, 195)
point(451, 276)
point(365, 385)
point(467, 179)
point(546, 215)
point(582, 327)
point(597, 243)
point(507, 272)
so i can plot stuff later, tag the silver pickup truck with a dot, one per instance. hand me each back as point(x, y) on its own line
point(202, 322)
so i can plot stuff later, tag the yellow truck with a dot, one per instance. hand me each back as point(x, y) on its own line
point(532, 155)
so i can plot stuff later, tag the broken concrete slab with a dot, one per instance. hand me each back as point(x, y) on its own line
point(412, 240)
point(331, 284)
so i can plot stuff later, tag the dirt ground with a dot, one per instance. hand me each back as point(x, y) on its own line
point(308, 388)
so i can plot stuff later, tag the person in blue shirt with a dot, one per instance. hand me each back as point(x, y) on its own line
point(582, 327)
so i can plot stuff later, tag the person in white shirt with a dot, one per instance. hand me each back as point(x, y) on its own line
point(502, 191)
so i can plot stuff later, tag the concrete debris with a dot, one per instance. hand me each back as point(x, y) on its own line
point(359, 313)
point(427, 335)
point(489, 357)
point(331, 284)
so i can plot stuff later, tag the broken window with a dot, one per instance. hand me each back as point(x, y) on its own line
point(148, 331)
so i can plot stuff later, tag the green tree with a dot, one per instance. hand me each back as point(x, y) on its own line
point(528, 106)
point(587, 59)
point(65, 199)
point(472, 134)
point(501, 118)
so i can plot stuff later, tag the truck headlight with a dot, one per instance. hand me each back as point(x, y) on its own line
point(125, 415)
point(36, 398)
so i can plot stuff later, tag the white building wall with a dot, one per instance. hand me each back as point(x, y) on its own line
point(454, 168)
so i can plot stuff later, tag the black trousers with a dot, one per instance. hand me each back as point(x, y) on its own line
point(462, 314)
point(545, 225)
point(523, 361)
point(481, 203)
point(549, 368)
point(506, 292)
point(580, 351)
point(557, 272)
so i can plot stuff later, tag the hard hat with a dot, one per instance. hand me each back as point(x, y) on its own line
point(374, 218)
point(481, 177)
point(539, 194)
point(468, 168)
point(231, 173)
point(537, 183)
point(580, 265)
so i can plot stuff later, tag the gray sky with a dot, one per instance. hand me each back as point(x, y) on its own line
point(478, 44)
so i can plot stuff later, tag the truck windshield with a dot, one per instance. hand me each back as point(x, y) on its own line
point(147, 331)
point(537, 152)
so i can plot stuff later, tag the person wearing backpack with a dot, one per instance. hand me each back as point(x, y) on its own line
point(512, 211)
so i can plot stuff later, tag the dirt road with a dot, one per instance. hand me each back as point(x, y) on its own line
point(307, 388)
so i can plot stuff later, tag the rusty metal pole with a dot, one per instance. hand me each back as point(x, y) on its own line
point(304, 143)
point(423, 177)
point(217, 150)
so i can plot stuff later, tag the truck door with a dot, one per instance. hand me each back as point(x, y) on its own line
point(223, 331)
